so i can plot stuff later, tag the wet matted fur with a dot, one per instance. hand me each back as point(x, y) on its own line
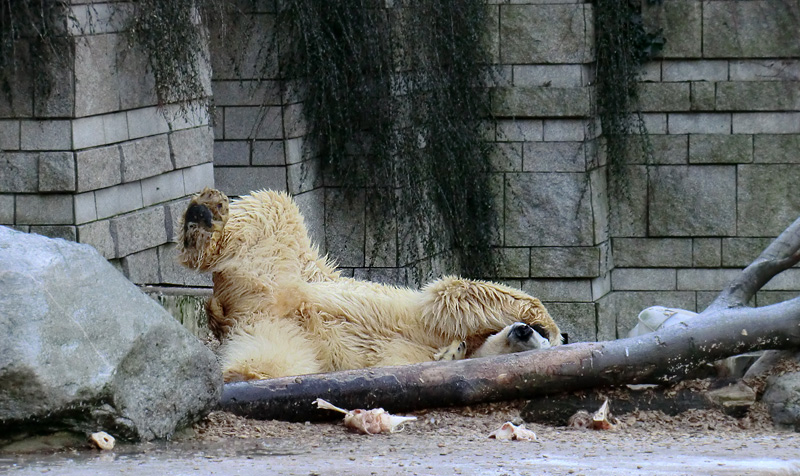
point(282, 309)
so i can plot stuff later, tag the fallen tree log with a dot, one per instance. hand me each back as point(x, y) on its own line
point(726, 328)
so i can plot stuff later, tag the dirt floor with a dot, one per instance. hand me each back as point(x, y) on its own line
point(444, 442)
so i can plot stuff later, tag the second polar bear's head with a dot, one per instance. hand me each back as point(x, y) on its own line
point(517, 337)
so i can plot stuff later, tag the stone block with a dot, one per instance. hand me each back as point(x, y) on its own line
point(55, 209)
point(139, 230)
point(554, 157)
point(506, 156)
point(682, 25)
point(98, 234)
point(218, 122)
point(643, 279)
point(765, 298)
point(172, 272)
point(699, 123)
point(295, 149)
point(617, 312)
point(788, 280)
point(99, 168)
point(253, 123)
point(294, 122)
point(577, 320)
point(85, 209)
point(541, 102)
point(755, 29)
point(766, 123)
point(56, 172)
point(628, 201)
point(312, 207)
point(344, 228)
point(692, 201)
point(137, 84)
point(655, 123)
point(9, 135)
point(758, 96)
point(563, 290)
point(20, 104)
point(740, 252)
point(162, 188)
point(99, 130)
point(601, 286)
point(765, 70)
point(706, 252)
point(192, 146)
point(96, 75)
point(58, 99)
point(269, 152)
point(19, 172)
point(146, 121)
point(118, 199)
point(565, 262)
point(250, 56)
point(598, 182)
point(766, 200)
point(547, 34)
point(512, 262)
point(694, 70)
point(45, 135)
point(173, 216)
point(97, 18)
point(667, 149)
point(237, 181)
point(652, 252)
point(196, 178)
point(550, 75)
point(777, 148)
point(303, 176)
point(547, 209)
point(6, 209)
point(526, 130)
point(247, 93)
point(65, 232)
point(705, 279)
point(658, 97)
point(391, 276)
point(720, 149)
point(232, 153)
point(142, 267)
point(145, 158)
point(565, 130)
point(704, 96)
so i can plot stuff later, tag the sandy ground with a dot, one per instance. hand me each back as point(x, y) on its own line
point(443, 442)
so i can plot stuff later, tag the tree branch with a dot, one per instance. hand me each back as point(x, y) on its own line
point(781, 254)
point(653, 358)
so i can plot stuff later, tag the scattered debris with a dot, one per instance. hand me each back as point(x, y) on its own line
point(367, 421)
point(510, 431)
point(600, 420)
point(102, 440)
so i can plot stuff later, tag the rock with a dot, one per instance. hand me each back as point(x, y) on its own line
point(83, 349)
point(783, 399)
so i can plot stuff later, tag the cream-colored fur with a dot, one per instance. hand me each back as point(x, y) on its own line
point(282, 309)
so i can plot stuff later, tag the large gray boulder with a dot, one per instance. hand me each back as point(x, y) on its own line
point(82, 349)
point(782, 396)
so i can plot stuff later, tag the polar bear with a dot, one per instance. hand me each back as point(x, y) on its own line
point(281, 309)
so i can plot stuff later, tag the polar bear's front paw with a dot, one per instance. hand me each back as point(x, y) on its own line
point(455, 351)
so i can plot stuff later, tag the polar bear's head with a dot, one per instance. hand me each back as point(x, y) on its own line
point(201, 228)
point(517, 337)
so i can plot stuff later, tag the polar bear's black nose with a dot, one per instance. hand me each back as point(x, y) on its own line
point(522, 332)
point(198, 214)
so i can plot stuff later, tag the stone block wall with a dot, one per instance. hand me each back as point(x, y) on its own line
point(96, 160)
point(722, 107)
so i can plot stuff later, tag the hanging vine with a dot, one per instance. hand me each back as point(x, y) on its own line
point(623, 46)
point(396, 100)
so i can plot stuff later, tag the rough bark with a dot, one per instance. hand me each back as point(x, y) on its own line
point(726, 328)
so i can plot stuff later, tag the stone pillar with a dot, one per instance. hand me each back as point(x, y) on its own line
point(96, 160)
point(554, 236)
